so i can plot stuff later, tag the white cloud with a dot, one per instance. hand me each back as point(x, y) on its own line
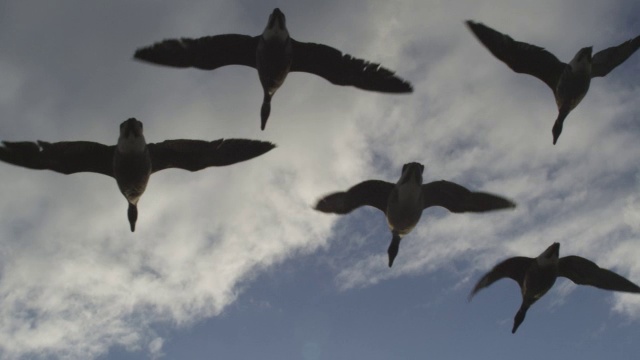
point(155, 348)
point(74, 282)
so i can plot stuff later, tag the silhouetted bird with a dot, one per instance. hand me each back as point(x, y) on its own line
point(569, 82)
point(274, 54)
point(132, 161)
point(537, 276)
point(403, 202)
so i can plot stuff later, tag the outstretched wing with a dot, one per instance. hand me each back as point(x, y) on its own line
point(194, 155)
point(207, 53)
point(585, 272)
point(514, 268)
point(606, 60)
point(66, 157)
point(371, 192)
point(519, 56)
point(459, 199)
point(343, 69)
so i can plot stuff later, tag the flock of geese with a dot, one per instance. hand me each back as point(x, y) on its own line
point(275, 54)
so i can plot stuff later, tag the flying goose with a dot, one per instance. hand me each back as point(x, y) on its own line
point(536, 276)
point(132, 161)
point(274, 54)
point(569, 82)
point(404, 201)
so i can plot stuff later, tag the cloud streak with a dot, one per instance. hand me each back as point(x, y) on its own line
point(74, 282)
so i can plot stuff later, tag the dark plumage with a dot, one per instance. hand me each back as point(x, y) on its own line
point(274, 54)
point(132, 161)
point(569, 82)
point(404, 201)
point(536, 276)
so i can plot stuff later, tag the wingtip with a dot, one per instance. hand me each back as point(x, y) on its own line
point(138, 55)
point(474, 291)
point(262, 147)
point(268, 146)
point(402, 87)
point(472, 24)
point(318, 206)
point(505, 204)
point(470, 296)
point(405, 86)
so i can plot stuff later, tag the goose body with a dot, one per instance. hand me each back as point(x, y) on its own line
point(536, 276)
point(132, 161)
point(404, 201)
point(274, 54)
point(569, 82)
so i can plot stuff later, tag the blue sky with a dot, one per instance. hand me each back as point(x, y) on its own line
point(233, 263)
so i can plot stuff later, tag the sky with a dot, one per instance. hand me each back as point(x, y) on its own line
point(233, 262)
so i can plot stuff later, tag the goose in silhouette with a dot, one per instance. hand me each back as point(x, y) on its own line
point(132, 161)
point(537, 275)
point(404, 201)
point(274, 54)
point(569, 82)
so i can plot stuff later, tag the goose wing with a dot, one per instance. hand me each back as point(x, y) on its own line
point(514, 268)
point(206, 53)
point(343, 69)
point(194, 155)
point(585, 272)
point(459, 199)
point(520, 56)
point(606, 60)
point(371, 192)
point(66, 157)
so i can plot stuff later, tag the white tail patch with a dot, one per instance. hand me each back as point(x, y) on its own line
point(544, 261)
point(581, 62)
point(275, 34)
point(131, 144)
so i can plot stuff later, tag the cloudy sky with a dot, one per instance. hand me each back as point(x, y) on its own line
point(233, 263)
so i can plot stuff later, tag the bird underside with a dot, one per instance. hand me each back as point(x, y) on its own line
point(132, 174)
point(403, 222)
point(571, 89)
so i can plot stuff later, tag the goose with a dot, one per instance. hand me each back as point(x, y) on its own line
point(274, 54)
point(536, 276)
point(404, 201)
point(132, 161)
point(569, 82)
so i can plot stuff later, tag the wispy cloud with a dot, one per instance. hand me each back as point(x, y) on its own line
point(74, 282)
